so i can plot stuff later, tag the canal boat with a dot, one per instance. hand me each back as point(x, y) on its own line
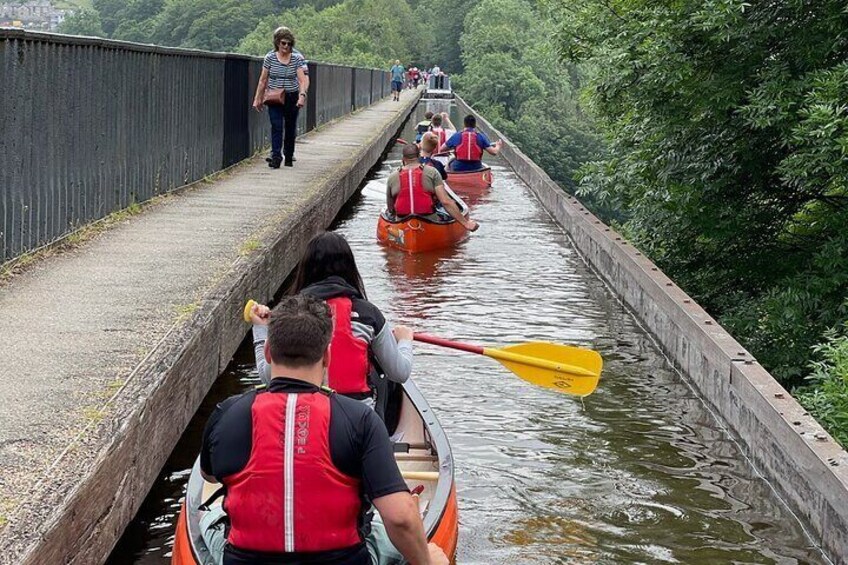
point(423, 455)
point(471, 182)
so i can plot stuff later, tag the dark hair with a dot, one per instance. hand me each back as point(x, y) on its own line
point(283, 33)
point(437, 120)
point(410, 152)
point(428, 115)
point(299, 331)
point(327, 254)
point(470, 121)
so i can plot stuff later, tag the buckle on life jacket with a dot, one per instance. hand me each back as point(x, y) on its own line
point(326, 390)
point(212, 498)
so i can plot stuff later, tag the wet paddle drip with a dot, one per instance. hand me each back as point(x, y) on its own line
point(638, 473)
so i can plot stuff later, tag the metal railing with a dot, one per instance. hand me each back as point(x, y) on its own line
point(89, 126)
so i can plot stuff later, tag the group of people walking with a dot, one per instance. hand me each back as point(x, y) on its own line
point(284, 87)
point(413, 76)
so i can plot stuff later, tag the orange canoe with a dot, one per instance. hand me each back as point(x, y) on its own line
point(417, 234)
point(478, 180)
point(424, 457)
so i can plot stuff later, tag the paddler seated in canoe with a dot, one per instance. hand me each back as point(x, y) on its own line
point(437, 128)
point(415, 189)
point(302, 465)
point(423, 126)
point(365, 345)
point(428, 145)
point(468, 146)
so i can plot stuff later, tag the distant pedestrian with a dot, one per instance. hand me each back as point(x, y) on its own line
point(282, 87)
point(397, 79)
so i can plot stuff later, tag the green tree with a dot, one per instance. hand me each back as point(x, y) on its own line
point(728, 123)
point(513, 77)
point(83, 22)
point(355, 32)
point(442, 22)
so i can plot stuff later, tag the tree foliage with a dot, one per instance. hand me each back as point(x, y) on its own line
point(827, 395)
point(355, 32)
point(83, 22)
point(513, 76)
point(728, 128)
point(442, 22)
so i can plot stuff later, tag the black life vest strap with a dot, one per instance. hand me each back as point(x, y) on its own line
point(212, 498)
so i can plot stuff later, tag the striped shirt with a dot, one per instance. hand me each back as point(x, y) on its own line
point(284, 76)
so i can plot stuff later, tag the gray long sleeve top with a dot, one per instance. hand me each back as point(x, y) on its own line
point(395, 357)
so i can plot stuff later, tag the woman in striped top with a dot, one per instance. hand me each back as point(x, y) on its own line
point(284, 69)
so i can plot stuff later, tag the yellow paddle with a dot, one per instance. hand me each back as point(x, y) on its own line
point(247, 308)
point(563, 368)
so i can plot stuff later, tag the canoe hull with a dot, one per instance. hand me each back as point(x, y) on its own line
point(471, 181)
point(417, 235)
point(446, 535)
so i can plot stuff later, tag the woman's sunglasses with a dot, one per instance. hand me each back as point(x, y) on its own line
point(286, 43)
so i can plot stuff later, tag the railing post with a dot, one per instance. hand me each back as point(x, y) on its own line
point(352, 89)
point(236, 142)
point(312, 99)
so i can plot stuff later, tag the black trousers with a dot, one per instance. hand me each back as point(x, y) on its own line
point(284, 126)
point(357, 555)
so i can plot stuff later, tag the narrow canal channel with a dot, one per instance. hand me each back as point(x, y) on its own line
point(640, 472)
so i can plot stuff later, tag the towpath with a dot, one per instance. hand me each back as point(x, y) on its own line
point(78, 327)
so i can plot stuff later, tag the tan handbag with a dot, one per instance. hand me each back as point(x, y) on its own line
point(274, 97)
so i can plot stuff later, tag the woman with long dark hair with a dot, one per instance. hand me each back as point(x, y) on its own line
point(364, 344)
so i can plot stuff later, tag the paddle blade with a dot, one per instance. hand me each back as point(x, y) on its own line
point(563, 368)
point(247, 309)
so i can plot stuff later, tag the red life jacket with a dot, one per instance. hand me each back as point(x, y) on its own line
point(469, 149)
point(349, 364)
point(290, 497)
point(412, 198)
point(443, 136)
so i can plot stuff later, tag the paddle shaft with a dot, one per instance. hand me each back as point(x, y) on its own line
point(503, 355)
point(420, 475)
point(433, 340)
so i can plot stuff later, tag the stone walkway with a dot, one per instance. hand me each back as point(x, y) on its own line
point(77, 327)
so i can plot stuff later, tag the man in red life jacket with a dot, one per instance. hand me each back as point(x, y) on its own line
point(299, 462)
point(416, 188)
point(469, 145)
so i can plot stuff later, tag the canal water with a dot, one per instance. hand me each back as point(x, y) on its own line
point(638, 472)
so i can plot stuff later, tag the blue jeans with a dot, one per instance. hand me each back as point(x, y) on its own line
point(284, 121)
point(458, 166)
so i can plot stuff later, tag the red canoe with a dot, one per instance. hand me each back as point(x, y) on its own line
point(423, 455)
point(417, 234)
point(470, 181)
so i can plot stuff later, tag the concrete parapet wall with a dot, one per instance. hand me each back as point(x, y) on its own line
point(103, 477)
point(805, 466)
